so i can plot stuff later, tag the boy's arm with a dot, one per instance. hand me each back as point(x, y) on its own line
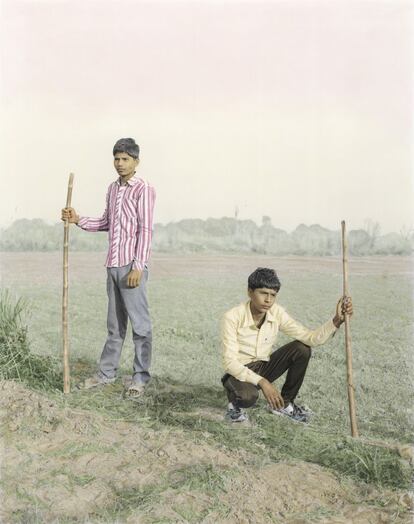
point(145, 218)
point(318, 336)
point(230, 347)
point(310, 337)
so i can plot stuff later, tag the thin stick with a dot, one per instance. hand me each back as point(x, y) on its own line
point(66, 370)
point(351, 388)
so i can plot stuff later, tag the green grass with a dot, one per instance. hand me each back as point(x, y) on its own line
point(187, 370)
point(74, 450)
point(186, 346)
point(206, 479)
point(16, 359)
point(269, 437)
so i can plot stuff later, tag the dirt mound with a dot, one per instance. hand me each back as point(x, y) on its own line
point(60, 464)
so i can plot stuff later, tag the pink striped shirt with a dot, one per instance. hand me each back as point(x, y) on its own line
point(128, 219)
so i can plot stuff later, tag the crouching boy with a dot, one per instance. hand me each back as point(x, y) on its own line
point(248, 334)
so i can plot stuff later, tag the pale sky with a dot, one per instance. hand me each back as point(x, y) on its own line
point(300, 110)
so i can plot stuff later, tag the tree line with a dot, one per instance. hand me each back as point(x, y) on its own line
point(224, 235)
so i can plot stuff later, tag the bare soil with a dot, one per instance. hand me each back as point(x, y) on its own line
point(60, 465)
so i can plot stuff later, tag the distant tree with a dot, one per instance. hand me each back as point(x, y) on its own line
point(314, 240)
point(407, 234)
point(394, 244)
point(219, 235)
point(373, 229)
point(359, 242)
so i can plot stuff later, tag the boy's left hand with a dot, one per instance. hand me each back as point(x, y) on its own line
point(134, 278)
point(343, 307)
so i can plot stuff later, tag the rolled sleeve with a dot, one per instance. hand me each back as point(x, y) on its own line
point(93, 224)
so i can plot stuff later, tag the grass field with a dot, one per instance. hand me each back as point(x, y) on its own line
point(187, 296)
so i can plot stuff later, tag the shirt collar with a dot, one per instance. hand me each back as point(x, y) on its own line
point(131, 182)
point(248, 317)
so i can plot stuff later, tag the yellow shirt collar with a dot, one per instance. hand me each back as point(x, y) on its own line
point(248, 317)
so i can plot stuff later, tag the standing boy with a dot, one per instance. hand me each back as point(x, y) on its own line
point(248, 333)
point(128, 219)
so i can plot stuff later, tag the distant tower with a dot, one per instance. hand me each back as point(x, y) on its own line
point(236, 211)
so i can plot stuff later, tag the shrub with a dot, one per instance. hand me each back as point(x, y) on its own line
point(16, 360)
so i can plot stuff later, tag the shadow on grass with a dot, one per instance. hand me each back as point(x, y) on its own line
point(199, 410)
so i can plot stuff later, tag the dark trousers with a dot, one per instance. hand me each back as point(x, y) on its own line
point(293, 358)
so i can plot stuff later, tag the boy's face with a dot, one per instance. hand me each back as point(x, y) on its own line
point(125, 165)
point(262, 299)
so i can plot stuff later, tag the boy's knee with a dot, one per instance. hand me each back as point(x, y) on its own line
point(248, 397)
point(303, 350)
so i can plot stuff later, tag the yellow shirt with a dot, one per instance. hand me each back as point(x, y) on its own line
point(242, 342)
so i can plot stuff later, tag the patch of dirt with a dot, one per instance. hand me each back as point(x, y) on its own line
point(60, 464)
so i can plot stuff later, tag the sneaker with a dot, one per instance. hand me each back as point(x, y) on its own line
point(234, 414)
point(94, 382)
point(294, 412)
point(302, 410)
point(135, 391)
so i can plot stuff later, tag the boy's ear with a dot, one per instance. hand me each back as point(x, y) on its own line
point(249, 292)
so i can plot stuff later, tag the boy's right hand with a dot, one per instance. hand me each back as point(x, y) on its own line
point(271, 394)
point(69, 214)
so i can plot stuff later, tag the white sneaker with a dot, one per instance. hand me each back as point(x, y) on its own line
point(234, 414)
point(294, 412)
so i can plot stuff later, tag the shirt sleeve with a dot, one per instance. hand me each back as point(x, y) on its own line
point(96, 224)
point(145, 204)
point(310, 337)
point(230, 352)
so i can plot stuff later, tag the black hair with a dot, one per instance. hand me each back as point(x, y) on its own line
point(264, 277)
point(126, 145)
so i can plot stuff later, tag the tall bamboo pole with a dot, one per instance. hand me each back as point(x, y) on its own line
point(348, 348)
point(66, 370)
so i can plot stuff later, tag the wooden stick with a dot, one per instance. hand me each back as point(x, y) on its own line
point(66, 370)
point(351, 388)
